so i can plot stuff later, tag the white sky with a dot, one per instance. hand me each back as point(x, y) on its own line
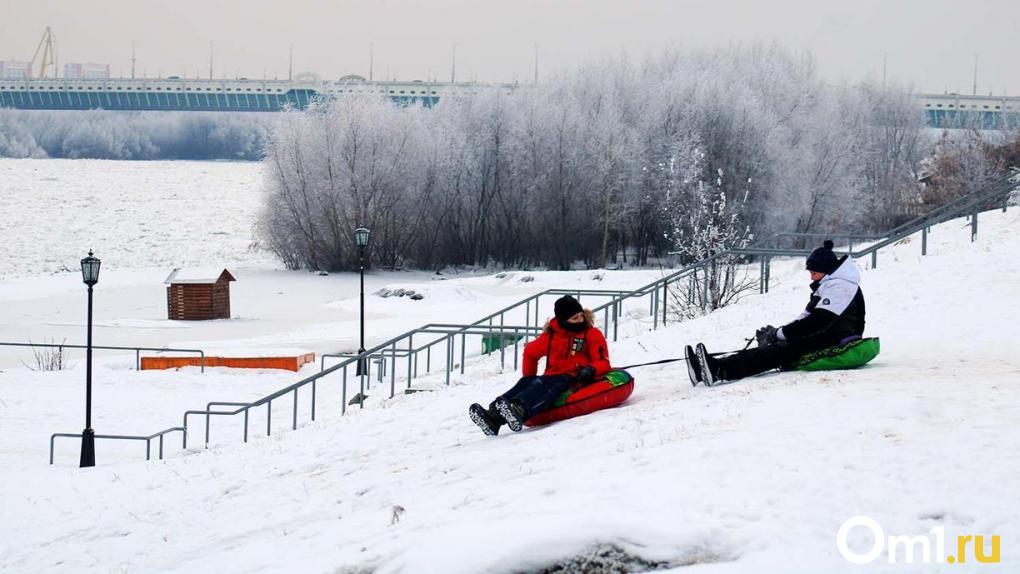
point(930, 43)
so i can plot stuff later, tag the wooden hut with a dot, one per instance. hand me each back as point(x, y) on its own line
point(198, 294)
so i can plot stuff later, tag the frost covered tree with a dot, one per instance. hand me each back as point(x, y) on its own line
point(964, 161)
point(577, 171)
point(704, 225)
point(104, 134)
point(889, 142)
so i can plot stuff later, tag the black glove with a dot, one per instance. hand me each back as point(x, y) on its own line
point(766, 336)
point(586, 375)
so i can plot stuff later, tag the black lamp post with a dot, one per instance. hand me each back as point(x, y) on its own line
point(90, 275)
point(361, 238)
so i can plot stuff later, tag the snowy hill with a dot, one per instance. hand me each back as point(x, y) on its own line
point(756, 476)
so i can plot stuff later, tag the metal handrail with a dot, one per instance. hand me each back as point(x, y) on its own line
point(147, 439)
point(963, 205)
point(968, 205)
point(137, 350)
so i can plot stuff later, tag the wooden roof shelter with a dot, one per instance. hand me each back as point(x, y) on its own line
point(198, 294)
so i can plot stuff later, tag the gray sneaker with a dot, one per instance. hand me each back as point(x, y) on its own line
point(693, 366)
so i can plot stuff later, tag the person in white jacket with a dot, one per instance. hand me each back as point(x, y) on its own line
point(834, 315)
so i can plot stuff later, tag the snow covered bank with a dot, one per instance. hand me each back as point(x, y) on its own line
point(133, 214)
point(756, 476)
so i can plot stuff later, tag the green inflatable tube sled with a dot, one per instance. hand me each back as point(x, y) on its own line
point(846, 356)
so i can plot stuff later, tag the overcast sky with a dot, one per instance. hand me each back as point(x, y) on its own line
point(929, 43)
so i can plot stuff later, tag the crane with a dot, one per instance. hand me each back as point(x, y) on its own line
point(48, 55)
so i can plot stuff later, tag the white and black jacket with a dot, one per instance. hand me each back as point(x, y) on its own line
point(835, 311)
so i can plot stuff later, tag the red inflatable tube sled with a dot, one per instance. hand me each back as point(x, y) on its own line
point(611, 390)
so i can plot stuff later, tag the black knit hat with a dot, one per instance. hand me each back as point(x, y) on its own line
point(566, 307)
point(823, 260)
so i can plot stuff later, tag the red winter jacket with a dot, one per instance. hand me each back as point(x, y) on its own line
point(566, 351)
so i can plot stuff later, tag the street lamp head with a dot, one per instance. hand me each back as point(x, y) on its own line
point(90, 270)
point(361, 236)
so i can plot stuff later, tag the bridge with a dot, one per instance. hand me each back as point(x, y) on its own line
point(191, 95)
point(245, 95)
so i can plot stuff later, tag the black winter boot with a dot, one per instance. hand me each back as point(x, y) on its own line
point(513, 412)
point(485, 420)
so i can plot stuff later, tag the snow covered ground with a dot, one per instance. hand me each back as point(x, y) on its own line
point(145, 218)
point(756, 476)
point(133, 214)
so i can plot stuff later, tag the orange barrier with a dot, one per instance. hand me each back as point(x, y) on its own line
point(288, 363)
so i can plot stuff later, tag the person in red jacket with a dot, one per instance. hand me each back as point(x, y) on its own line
point(575, 353)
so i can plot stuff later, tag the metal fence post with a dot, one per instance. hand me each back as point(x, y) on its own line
point(449, 357)
point(502, 344)
point(516, 353)
point(874, 259)
point(367, 377)
point(973, 224)
point(361, 390)
point(924, 241)
point(393, 369)
point(343, 393)
point(411, 357)
point(616, 320)
point(655, 309)
point(665, 301)
point(527, 319)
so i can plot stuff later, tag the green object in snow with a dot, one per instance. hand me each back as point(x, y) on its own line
point(848, 356)
point(610, 380)
point(617, 378)
point(491, 343)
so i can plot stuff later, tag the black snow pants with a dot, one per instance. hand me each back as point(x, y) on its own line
point(537, 394)
point(750, 362)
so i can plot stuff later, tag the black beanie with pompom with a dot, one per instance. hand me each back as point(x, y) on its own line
point(823, 260)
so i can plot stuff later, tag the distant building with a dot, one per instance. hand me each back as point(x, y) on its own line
point(87, 71)
point(14, 70)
